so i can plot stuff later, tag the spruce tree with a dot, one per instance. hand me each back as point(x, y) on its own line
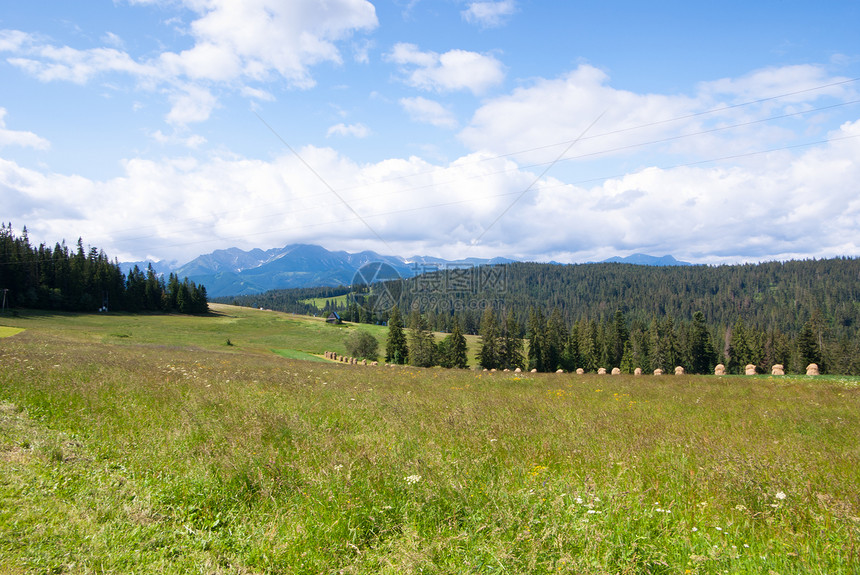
point(807, 346)
point(455, 348)
point(422, 346)
point(396, 349)
point(555, 341)
point(489, 332)
point(701, 350)
point(511, 344)
point(537, 337)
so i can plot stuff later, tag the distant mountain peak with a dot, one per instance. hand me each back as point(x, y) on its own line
point(646, 260)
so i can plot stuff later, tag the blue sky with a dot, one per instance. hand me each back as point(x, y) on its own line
point(575, 131)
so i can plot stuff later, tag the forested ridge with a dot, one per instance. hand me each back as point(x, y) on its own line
point(792, 313)
point(81, 279)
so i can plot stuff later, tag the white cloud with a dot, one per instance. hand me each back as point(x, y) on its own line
point(448, 72)
point(489, 14)
point(191, 104)
point(194, 141)
point(257, 94)
point(792, 205)
point(114, 40)
point(354, 130)
point(537, 121)
point(20, 138)
point(13, 40)
point(801, 82)
point(428, 112)
point(275, 36)
point(233, 43)
point(50, 63)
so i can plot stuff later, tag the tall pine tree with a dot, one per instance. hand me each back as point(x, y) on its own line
point(396, 349)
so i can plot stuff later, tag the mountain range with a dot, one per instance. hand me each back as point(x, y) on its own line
point(234, 271)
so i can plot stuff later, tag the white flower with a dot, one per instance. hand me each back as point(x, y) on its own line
point(413, 479)
point(780, 495)
point(695, 529)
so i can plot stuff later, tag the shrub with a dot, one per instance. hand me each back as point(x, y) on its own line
point(362, 345)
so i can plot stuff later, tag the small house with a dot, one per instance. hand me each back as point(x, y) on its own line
point(333, 317)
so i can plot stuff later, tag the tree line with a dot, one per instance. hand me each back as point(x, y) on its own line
point(81, 279)
point(789, 313)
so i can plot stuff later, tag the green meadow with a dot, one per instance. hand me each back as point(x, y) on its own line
point(320, 302)
point(147, 444)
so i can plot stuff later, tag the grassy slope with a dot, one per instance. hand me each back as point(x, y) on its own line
point(167, 451)
point(319, 302)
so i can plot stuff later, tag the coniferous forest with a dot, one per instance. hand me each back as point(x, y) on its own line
point(622, 315)
point(81, 279)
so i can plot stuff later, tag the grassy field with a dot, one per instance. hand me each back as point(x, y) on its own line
point(319, 302)
point(146, 444)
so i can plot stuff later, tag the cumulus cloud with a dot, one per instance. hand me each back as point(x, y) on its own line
point(489, 14)
point(354, 130)
point(536, 122)
point(447, 72)
point(428, 112)
point(798, 204)
point(191, 104)
point(20, 138)
point(233, 43)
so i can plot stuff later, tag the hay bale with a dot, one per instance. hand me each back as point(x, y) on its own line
point(579, 371)
point(777, 369)
point(559, 371)
point(601, 371)
point(812, 369)
point(518, 370)
point(720, 369)
point(637, 371)
point(679, 370)
point(374, 363)
point(534, 370)
point(616, 371)
point(749, 369)
point(658, 371)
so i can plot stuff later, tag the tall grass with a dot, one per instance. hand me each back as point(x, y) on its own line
point(123, 456)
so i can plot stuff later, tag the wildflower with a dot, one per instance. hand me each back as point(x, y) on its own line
point(695, 529)
point(413, 479)
point(780, 495)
